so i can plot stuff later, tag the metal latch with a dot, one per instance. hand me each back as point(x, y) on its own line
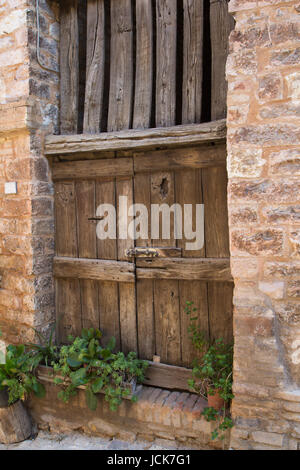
point(142, 253)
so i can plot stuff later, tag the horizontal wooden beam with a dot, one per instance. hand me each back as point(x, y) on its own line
point(92, 169)
point(176, 159)
point(99, 270)
point(206, 269)
point(170, 377)
point(157, 375)
point(184, 135)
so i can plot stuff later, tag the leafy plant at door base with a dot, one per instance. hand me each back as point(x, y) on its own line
point(17, 375)
point(212, 374)
point(84, 362)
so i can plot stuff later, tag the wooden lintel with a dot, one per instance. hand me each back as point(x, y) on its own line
point(176, 136)
point(205, 269)
point(100, 270)
point(175, 159)
point(92, 169)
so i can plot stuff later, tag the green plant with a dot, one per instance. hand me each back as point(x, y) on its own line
point(17, 374)
point(85, 362)
point(222, 420)
point(212, 371)
point(46, 352)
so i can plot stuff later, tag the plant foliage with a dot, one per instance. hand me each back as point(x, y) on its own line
point(85, 362)
point(212, 372)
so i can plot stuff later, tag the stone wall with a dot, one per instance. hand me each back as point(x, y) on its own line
point(28, 111)
point(263, 72)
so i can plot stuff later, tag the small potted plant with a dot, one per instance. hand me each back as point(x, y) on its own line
point(212, 374)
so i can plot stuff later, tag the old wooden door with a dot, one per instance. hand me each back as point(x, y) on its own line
point(113, 284)
point(145, 64)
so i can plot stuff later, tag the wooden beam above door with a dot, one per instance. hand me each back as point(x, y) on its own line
point(139, 139)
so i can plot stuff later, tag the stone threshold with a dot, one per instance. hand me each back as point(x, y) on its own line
point(173, 416)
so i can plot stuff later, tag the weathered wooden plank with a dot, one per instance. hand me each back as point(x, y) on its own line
point(87, 248)
point(68, 307)
point(167, 321)
point(101, 270)
point(166, 43)
point(217, 245)
point(119, 118)
point(146, 324)
point(69, 67)
point(121, 65)
point(135, 139)
point(220, 311)
point(189, 191)
point(167, 376)
point(221, 24)
point(108, 291)
point(192, 61)
point(216, 220)
point(177, 159)
point(144, 288)
point(92, 169)
point(196, 292)
point(127, 294)
point(185, 269)
point(144, 65)
point(95, 58)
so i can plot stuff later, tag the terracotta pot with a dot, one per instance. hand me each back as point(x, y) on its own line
point(215, 401)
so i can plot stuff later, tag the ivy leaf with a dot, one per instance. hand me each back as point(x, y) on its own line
point(105, 353)
point(74, 361)
point(91, 399)
point(39, 389)
point(78, 377)
point(111, 344)
point(97, 385)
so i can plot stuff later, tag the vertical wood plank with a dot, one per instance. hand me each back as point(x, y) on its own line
point(216, 210)
point(166, 19)
point(94, 66)
point(108, 291)
point(127, 291)
point(121, 66)
point(145, 307)
point(69, 66)
point(221, 24)
point(119, 117)
point(192, 291)
point(144, 64)
point(217, 246)
point(189, 191)
point(192, 61)
point(167, 321)
point(220, 310)
point(67, 291)
point(85, 202)
point(166, 293)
